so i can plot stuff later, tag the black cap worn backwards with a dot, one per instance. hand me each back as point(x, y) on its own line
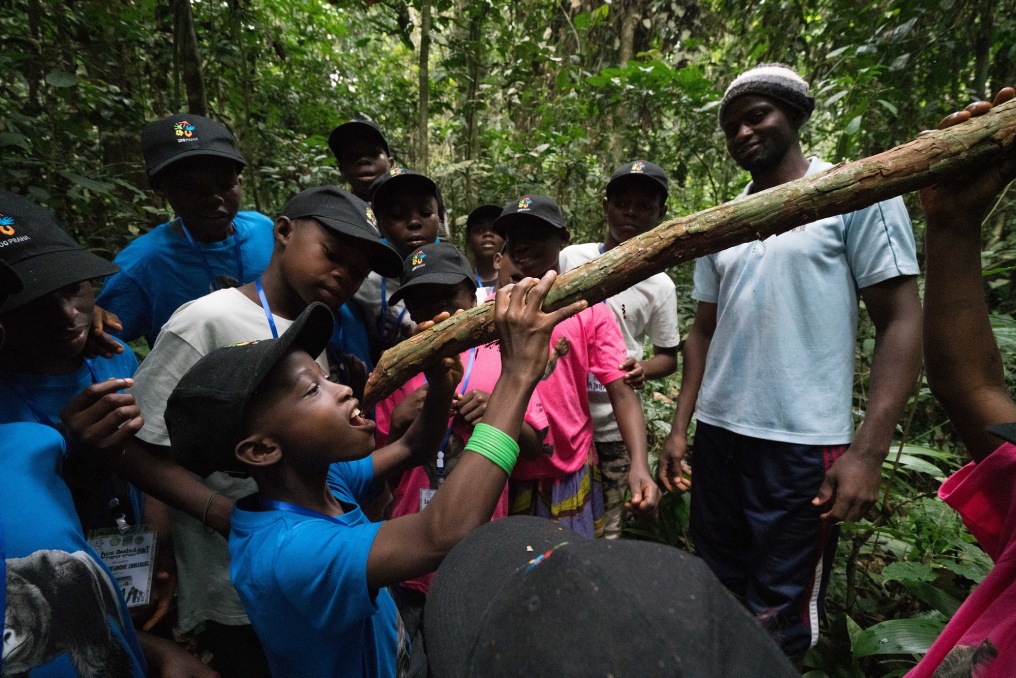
point(343, 135)
point(438, 263)
point(205, 412)
point(344, 213)
point(639, 172)
point(481, 214)
point(497, 604)
point(528, 208)
point(42, 254)
point(397, 179)
point(185, 135)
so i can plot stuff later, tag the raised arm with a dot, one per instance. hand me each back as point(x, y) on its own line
point(963, 363)
point(415, 544)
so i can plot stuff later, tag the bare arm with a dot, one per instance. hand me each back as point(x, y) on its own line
point(415, 544)
point(964, 365)
point(153, 469)
point(631, 423)
point(662, 364)
point(696, 348)
point(851, 483)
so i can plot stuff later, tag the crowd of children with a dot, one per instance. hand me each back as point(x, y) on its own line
point(293, 535)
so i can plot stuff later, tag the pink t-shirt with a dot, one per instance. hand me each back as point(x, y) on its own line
point(589, 342)
point(983, 494)
point(416, 486)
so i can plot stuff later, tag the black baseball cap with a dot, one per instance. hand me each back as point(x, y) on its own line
point(344, 213)
point(42, 254)
point(9, 282)
point(185, 135)
point(399, 178)
point(345, 133)
point(205, 412)
point(527, 208)
point(523, 596)
point(483, 213)
point(639, 172)
point(439, 263)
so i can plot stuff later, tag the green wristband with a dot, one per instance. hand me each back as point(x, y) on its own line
point(494, 444)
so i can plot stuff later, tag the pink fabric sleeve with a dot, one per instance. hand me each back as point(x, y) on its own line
point(606, 345)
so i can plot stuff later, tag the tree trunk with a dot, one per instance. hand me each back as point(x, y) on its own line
point(422, 140)
point(186, 43)
point(843, 188)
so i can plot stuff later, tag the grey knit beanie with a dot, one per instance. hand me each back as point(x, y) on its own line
point(777, 81)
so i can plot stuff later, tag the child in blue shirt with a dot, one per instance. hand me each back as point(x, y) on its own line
point(194, 164)
point(309, 567)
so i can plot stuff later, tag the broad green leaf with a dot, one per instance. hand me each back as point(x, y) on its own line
point(906, 570)
point(15, 139)
point(85, 182)
point(62, 79)
point(898, 636)
point(853, 126)
point(934, 596)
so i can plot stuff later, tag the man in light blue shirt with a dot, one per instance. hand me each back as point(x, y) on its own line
point(770, 362)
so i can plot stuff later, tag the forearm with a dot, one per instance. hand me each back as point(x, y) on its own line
point(693, 368)
point(662, 364)
point(631, 423)
point(153, 470)
point(421, 439)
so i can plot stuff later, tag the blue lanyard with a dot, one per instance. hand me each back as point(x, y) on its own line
point(267, 308)
point(601, 248)
point(204, 258)
point(297, 509)
point(384, 310)
point(40, 414)
point(479, 283)
point(448, 432)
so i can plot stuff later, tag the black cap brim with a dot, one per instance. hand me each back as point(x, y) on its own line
point(235, 157)
point(635, 179)
point(440, 278)
point(384, 184)
point(10, 281)
point(482, 213)
point(347, 132)
point(506, 221)
point(492, 553)
point(383, 258)
point(50, 271)
point(1006, 432)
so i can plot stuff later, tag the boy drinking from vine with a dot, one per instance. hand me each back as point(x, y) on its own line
point(311, 569)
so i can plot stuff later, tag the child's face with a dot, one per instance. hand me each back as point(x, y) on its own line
point(534, 247)
point(409, 219)
point(314, 421)
point(55, 326)
point(319, 264)
point(483, 241)
point(426, 301)
point(203, 191)
point(633, 210)
point(361, 163)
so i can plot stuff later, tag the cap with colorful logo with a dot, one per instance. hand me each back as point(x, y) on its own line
point(354, 130)
point(205, 412)
point(399, 179)
point(42, 254)
point(185, 135)
point(530, 207)
point(344, 213)
point(639, 172)
point(439, 263)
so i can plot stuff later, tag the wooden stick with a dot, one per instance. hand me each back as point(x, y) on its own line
point(843, 188)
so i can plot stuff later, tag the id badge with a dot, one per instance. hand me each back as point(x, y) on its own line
point(130, 556)
point(425, 496)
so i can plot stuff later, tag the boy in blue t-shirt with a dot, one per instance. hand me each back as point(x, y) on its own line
point(62, 609)
point(309, 566)
point(43, 366)
point(194, 164)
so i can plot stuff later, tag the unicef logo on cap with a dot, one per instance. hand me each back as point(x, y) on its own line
point(525, 202)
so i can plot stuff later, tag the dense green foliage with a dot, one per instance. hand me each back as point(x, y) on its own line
point(537, 96)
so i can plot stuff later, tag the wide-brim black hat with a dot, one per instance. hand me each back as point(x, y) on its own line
point(439, 263)
point(354, 130)
point(205, 412)
point(343, 212)
point(44, 257)
point(531, 207)
point(522, 597)
point(185, 135)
